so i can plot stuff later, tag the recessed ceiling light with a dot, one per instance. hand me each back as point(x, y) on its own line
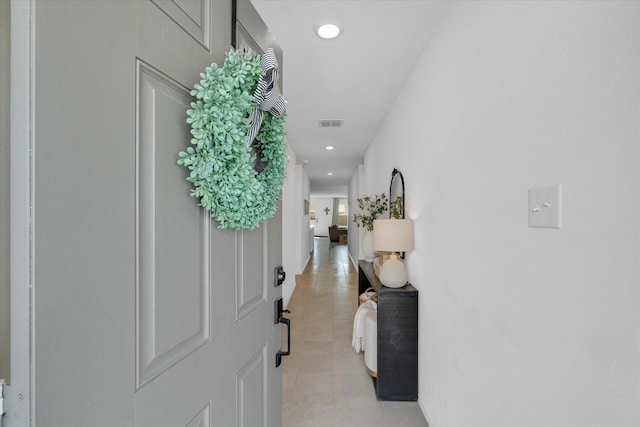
point(329, 147)
point(328, 31)
point(330, 173)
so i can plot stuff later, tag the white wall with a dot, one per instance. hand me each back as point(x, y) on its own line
point(355, 232)
point(290, 235)
point(323, 220)
point(297, 240)
point(522, 326)
point(305, 243)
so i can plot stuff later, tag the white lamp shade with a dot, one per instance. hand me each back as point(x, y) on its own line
point(393, 235)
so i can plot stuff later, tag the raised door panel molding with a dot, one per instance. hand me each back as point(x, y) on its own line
point(194, 17)
point(251, 29)
point(202, 419)
point(250, 279)
point(173, 263)
point(244, 39)
point(251, 398)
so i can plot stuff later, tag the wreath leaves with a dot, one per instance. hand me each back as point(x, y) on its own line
point(220, 158)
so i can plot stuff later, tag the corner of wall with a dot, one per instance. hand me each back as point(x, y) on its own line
point(423, 408)
point(353, 192)
point(290, 235)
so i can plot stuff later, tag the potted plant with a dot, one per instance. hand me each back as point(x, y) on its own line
point(370, 209)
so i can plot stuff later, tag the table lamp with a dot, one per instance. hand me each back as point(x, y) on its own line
point(393, 235)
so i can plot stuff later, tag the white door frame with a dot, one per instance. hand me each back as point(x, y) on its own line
point(18, 395)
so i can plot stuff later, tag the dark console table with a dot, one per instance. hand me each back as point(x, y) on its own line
point(397, 337)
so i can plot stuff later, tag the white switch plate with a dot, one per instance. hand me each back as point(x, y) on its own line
point(545, 207)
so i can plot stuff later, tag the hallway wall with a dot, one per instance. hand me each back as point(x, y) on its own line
point(355, 232)
point(323, 219)
point(522, 326)
point(291, 236)
point(297, 241)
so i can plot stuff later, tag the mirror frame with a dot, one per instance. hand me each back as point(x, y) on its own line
point(394, 174)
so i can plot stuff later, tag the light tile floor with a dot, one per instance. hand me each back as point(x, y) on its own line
point(325, 384)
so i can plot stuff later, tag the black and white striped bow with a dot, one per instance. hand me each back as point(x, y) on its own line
point(267, 94)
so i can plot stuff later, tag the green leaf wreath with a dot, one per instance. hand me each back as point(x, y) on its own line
point(237, 180)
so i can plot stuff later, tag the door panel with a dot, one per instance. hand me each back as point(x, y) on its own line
point(144, 310)
point(202, 419)
point(193, 16)
point(250, 386)
point(172, 233)
point(83, 192)
point(224, 371)
point(250, 286)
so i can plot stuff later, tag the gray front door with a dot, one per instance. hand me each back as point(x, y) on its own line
point(144, 313)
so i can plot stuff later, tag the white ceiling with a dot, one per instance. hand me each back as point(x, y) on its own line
point(354, 77)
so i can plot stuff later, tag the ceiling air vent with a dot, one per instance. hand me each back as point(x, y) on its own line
point(333, 123)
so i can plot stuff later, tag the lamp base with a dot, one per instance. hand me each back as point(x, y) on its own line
point(393, 273)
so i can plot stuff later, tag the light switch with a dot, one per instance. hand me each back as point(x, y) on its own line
point(545, 209)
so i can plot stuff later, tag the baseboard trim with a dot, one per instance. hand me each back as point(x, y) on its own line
point(305, 263)
point(355, 263)
point(423, 408)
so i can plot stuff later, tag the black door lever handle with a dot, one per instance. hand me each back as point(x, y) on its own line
point(278, 310)
point(281, 353)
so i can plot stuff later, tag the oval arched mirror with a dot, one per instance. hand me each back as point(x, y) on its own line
point(396, 197)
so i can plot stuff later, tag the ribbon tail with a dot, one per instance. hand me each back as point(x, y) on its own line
point(255, 121)
point(279, 107)
point(267, 94)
